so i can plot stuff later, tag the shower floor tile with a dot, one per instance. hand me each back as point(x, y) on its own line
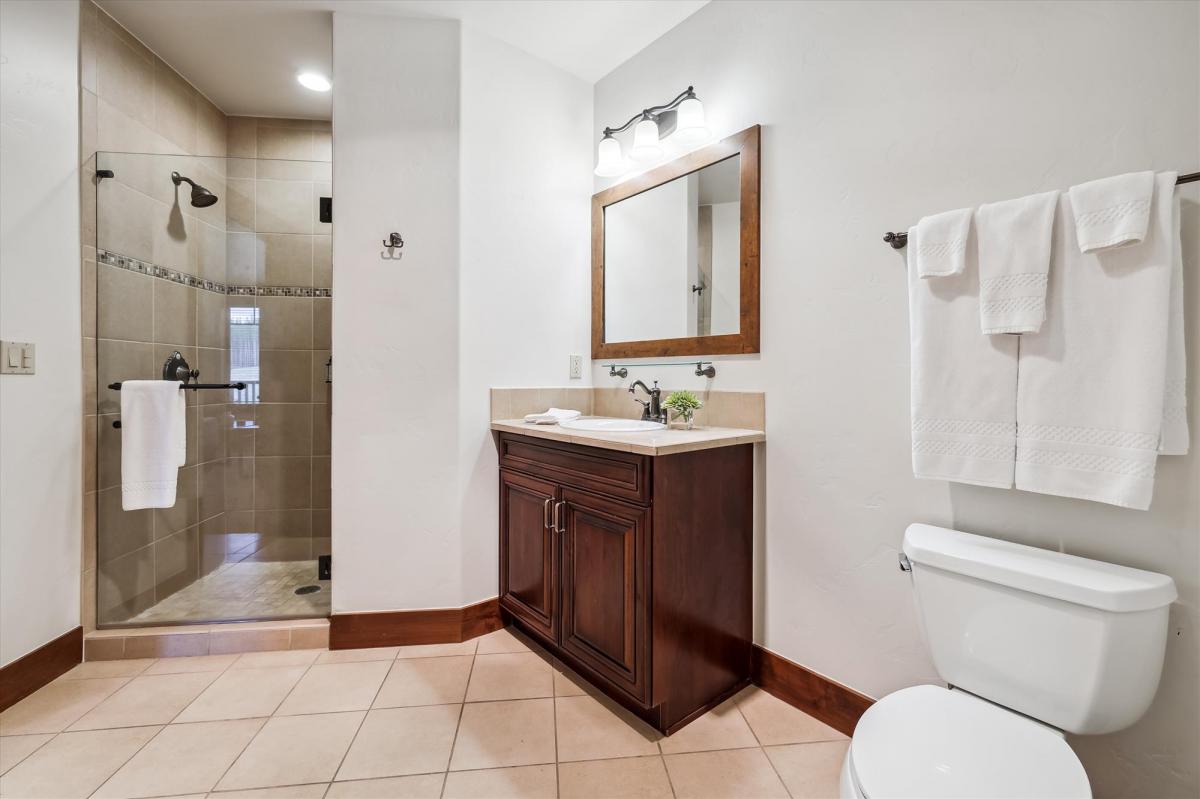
point(247, 589)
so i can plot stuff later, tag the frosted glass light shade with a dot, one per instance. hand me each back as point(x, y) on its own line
point(645, 141)
point(609, 163)
point(689, 123)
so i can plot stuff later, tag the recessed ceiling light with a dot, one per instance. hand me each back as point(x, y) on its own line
point(314, 81)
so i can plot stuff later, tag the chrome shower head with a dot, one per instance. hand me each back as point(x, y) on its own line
point(201, 197)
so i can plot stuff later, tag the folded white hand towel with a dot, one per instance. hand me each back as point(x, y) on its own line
point(964, 385)
point(1014, 257)
point(1112, 212)
point(153, 442)
point(943, 243)
point(552, 416)
point(1090, 400)
point(1174, 438)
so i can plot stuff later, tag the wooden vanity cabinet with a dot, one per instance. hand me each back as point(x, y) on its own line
point(633, 569)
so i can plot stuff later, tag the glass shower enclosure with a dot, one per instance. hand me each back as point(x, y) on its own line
point(241, 290)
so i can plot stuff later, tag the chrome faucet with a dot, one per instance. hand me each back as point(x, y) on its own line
point(652, 409)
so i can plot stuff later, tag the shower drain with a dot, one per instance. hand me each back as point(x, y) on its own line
point(308, 589)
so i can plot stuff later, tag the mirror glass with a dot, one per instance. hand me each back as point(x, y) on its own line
point(672, 258)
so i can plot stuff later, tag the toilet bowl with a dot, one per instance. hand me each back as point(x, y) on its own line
point(1035, 643)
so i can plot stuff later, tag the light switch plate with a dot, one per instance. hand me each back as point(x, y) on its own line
point(17, 358)
point(576, 367)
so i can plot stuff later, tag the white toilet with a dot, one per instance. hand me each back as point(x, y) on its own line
point(1032, 643)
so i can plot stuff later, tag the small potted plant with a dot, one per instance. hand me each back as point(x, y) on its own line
point(683, 404)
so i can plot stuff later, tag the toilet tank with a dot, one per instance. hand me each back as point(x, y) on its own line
point(1073, 642)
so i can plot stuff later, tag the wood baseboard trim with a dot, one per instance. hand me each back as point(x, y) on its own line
point(820, 697)
point(407, 627)
point(28, 673)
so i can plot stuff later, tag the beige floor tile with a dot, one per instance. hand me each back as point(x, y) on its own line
point(437, 650)
point(155, 699)
point(289, 657)
point(810, 771)
point(721, 728)
point(418, 786)
point(15, 748)
point(185, 665)
point(521, 675)
point(108, 668)
point(310, 791)
point(336, 687)
point(425, 681)
point(589, 729)
point(568, 683)
point(496, 734)
point(619, 778)
point(730, 774)
point(52, 708)
point(776, 722)
point(183, 758)
point(243, 694)
point(293, 750)
point(500, 642)
point(522, 782)
point(398, 741)
point(356, 655)
point(74, 764)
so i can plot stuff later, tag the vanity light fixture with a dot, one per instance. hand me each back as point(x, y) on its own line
point(314, 81)
point(682, 119)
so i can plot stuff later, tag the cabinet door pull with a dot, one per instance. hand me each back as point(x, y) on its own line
point(558, 517)
point(546, 513)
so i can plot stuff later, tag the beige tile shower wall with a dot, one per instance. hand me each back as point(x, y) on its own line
point(742, 409)
point(132, 102)
point(277, 486)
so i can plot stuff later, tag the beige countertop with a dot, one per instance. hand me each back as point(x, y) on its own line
point(654, 442)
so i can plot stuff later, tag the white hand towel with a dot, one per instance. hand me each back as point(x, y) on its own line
point(153, 442)
point(1174, 438)
point(1014, 257)
point(943, 243)
point(552, 416)
point(1112, 212)
point(964, 385)
point(1090, 396)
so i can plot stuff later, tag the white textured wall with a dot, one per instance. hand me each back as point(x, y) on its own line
point(525, 183)
point(874, 114)
point(40, 429)
point(395, 322)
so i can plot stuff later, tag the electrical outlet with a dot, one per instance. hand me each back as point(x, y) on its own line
point(576, 367)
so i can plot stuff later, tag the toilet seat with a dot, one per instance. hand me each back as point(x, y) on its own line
point(929, 742)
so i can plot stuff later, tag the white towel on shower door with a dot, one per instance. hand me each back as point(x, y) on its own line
point(964, 385)
point(1090, 399)
point(153, 442)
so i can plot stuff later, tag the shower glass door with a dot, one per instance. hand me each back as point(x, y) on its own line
point(241, 289)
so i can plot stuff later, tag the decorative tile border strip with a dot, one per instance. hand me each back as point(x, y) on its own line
point(183, 278)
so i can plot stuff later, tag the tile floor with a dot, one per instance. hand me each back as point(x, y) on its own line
point(493, 717)
point(247, 589)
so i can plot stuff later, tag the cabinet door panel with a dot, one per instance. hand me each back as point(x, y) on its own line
point(604, 587)
point(528, 556)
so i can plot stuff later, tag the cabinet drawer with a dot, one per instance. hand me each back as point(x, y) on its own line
point(617, 474)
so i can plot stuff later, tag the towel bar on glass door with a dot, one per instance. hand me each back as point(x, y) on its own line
point(898, 240)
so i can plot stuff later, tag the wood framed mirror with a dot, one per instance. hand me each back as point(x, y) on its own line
point(675, 256)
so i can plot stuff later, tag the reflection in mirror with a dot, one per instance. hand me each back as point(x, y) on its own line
point(672, 259)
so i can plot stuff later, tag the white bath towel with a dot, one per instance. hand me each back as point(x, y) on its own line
point(942, 247)
point(1174, 438)
point(963, 384)
point(153, 442)
point(552, 416)
point(1112, 212)
point(1090, 395)
point(1014, 258)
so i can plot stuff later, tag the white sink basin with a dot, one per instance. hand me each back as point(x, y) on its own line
point(604, 425)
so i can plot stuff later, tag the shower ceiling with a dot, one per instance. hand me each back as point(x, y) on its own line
point(244, 54)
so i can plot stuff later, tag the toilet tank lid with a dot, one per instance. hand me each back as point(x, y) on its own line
point(1083, 581)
